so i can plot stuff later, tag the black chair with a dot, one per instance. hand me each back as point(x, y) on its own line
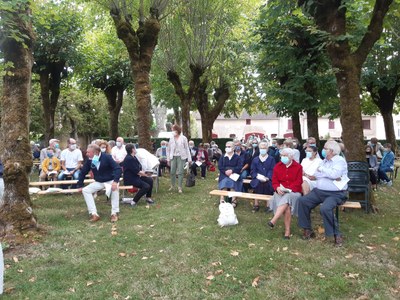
point(358, 173)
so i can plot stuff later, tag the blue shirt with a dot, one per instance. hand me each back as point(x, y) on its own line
point(330, 170)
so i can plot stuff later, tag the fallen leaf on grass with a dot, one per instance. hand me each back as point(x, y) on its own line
point(255, 282)
point(370, 247)
point(122, 254)
point(360, 235)
point(72, 290)
point(152, 225)
point(320, 275)
point(216, 263)
point(94, 241)
point(114, 233)
point(285, 248)
point(296, 253)
point(20, 271)
point(7, 266)
point(321, 230)
point(252, 245)
point(145, 257)
point(219, 272)
point(351, 275)
point(15, 259)
point(349, 256)
point(32, 279)
point(89, 283)
point(210, 277)
point(9, 290)
point(396, 239)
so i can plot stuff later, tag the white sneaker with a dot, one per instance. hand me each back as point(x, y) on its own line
point(127, 200)
point(389, 183)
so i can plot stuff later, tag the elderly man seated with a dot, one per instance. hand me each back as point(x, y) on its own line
point(161, 154)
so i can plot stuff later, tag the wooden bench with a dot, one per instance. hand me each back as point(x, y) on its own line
point(241, 195)
point(73, 191)
point(347, 204)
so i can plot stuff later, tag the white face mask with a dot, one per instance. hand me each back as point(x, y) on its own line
point(228, 149)
point(119, 144)
point(103, 149)
point(72, 147)
point(175, 133)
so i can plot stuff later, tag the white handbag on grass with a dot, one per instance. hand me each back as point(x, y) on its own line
point(227, 215)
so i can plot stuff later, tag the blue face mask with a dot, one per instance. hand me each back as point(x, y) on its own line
point(273, 145)
point(285, 160)
point(57, 146)
point(255, 145)
point(323, 153)
point(163, 147)
point(238, 148)
point(372, 145)
point(313, 145)
point(50, 155)
point(308, 154)
point(95, 160)
point(263, 151)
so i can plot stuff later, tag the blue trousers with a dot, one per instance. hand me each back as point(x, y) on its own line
point(328, 200)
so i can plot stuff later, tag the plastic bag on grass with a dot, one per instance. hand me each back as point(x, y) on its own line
point(227, 216)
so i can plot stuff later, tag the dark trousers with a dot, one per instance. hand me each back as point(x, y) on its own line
point(382, 174)
point(163, 165)
point(372, 177)
point(203, 168)
point(328, 200)
point(145, 186)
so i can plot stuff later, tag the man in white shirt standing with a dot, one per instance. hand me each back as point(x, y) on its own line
point(118, 152)
point(71, 161)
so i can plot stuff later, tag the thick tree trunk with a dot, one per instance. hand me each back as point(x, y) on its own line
point(50, 81)
point(296, 126)
point(140, 45)
point(209, 114)
point(177, 116)
point(330, 16)
point(16, 212)
point(389, 129)
point(114, 95)
point(312, 123)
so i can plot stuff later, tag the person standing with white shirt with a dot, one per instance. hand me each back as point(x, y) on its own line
point(118, 152)
point(332, 168)
point(177, 154)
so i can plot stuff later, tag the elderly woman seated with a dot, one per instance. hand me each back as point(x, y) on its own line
point(286, 181)
point(229, 166)
point(310, 164)
point(372, 161)
point(261, 173)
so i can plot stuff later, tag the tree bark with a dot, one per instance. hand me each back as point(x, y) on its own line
point(177, 116)
point(330, 16)
point(209, 113)
point(296, 126)
point(114, 95)
point(384, 99)
point(16, 213)
point(312, 123)
point(140, 45)
point(50, 81)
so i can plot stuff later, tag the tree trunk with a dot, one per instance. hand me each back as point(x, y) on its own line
point(312, 123)
point(177, 116)
point(296, 126)
point(140, 45)
point(50, 81)
point(16, 212)
point(330, 16)
point(389, 129)
point(114, 95)
point(210, 114)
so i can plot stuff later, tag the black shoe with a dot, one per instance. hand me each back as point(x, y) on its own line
point(255, 208)
point(270, 224)
point(286, 237)
point(338, 241)
point(308, 234)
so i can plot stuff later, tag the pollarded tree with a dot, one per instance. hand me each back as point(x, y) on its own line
point(105, 66)
point(347, 58)
point(138, 27)
point(381, 72)
point(58, 32)
point(16, 38)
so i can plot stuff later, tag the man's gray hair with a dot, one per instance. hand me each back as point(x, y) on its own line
point(289, 152)
point(264, 144)
point(94, 147)
point(334, 146)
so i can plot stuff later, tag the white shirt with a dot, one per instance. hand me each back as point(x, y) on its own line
point(118, 154)
point(310, 166)
point(71, 158)
point(330, 170)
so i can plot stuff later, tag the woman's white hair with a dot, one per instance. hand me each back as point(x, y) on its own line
point(334, 146)
point(265, 144)
point(289, 152)
point(229, 144)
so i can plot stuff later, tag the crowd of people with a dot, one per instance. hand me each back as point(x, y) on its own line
point(298, 177)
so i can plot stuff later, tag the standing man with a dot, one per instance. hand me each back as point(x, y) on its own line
point(326, 193)
point(118, 152)
point(71, 161)
point(106, 172)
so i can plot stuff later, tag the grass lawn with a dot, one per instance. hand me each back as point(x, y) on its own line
point(175, 250)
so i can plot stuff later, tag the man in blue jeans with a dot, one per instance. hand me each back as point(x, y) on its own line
point(71, 162)
point(326, 193)
point(386, 165)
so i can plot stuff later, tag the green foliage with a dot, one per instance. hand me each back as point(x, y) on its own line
point(293, 64)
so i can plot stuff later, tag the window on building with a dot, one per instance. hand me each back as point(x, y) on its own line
point(248, 121)
point(366, 124)
point(289, 124)
point(331, 124)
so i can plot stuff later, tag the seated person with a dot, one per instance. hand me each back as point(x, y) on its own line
point(71, 162)
point(377, 148)
point(200, 159)
point(287, 178)
point(192, 149)
point(387, 164)
point(230, 164)
point(289, 143)
point(245, 171)
point(50, 166)
point(372, 161)
point(310, 164)
point(261, 173)
point(134, 175)
point(161, 154)
point(273, 150)
point(104, 146)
